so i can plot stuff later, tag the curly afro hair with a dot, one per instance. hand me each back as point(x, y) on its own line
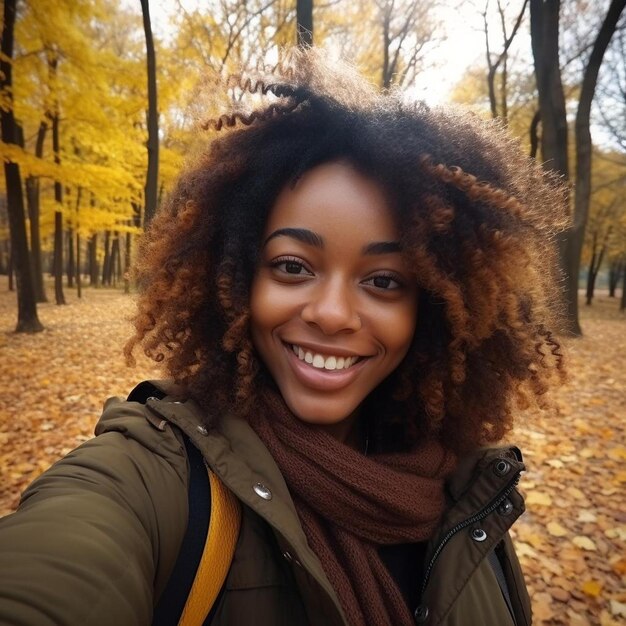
point(477, 218)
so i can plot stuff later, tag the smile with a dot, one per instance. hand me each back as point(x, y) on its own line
point(322, 361)
point(322, 371)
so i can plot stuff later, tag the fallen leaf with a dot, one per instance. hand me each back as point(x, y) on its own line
point(617, 454)
point(584, 542)
point(616, 533)
point(618, 608)
point(586, 516)
point(542, 607)
point(539, 498)
point(592, 588)
point(555, 463)
point(556, 530)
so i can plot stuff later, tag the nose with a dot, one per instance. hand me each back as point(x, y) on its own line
point(332, 308)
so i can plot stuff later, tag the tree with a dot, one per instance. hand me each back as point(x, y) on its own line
point(554, 136)
point(27, 319)
point(54, 115)
point(152, 174)
point(501, 60)
point(605, 234)
point(616, 268)
point(582, 194)
point(33, 197)
point(597, 255)
point(406, 29)
point(304, 23)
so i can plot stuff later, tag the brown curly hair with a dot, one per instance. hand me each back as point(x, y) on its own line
point(477, 220)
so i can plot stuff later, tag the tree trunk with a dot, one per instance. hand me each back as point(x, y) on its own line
point(544, 31)
point(113, 266)
point(387, 75)
point(58, 193)
point(79, 285)
point(93, 261)
point(129, 239)
point(152, 174)
point(27, 319)
point(615, 273)
point(10, 271)
point(583, 139)
point(32, 197)
point(3, 268)
point(534, 134)
point(116, 263)
point(304, 23)
point(106, 264)
point(71, 264)
point(591, 274)
point(58, 258)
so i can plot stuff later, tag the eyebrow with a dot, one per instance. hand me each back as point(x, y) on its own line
point(313, 239)
point(301, 234)
point(382, 247)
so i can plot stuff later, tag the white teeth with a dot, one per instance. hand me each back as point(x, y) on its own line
point(320, 361)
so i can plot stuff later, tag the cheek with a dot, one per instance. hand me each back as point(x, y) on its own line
point(399, 331)
point(266, 314)
point(259, 311)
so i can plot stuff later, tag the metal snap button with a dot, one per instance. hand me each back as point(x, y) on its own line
point(478, 534)
point(421, 614)
point(505, 508)
point(262, 491)
point(202, 429)
point(501, 467)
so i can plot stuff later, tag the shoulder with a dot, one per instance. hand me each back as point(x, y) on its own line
point(492, 467)
point(102, 525)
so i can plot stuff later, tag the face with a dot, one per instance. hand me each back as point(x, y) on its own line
point(333, 305)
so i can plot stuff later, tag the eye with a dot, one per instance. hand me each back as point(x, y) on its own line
point(384, 282)
point(291, 266)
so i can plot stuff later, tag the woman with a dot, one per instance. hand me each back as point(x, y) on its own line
point(352, 297)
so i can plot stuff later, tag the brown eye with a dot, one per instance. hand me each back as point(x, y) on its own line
point(383, 282)
point(292, 267)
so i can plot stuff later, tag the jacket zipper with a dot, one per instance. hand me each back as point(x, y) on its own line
point(477, 517)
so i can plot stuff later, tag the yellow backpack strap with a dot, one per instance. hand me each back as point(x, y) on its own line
point(217, 555)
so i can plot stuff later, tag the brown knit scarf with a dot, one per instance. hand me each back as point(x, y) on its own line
point(350, 504)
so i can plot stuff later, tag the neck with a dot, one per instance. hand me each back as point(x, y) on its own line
point(347, 431)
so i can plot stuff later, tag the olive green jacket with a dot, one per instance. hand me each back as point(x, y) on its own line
point(96, 536)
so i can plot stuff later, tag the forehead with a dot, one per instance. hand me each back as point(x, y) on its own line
point(335, 198)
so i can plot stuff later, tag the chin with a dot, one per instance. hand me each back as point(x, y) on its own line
point(322, 412)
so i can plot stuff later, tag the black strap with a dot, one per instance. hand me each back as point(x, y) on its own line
point(496, 566)
point(172, 601)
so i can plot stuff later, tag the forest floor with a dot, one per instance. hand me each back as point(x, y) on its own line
point(571, 540)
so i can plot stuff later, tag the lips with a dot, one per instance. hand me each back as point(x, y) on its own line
point(316, 375)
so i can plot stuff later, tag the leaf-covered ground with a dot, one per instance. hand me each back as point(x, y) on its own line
point(571, 541)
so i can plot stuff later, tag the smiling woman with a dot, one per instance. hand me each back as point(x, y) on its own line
point(352, 296)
